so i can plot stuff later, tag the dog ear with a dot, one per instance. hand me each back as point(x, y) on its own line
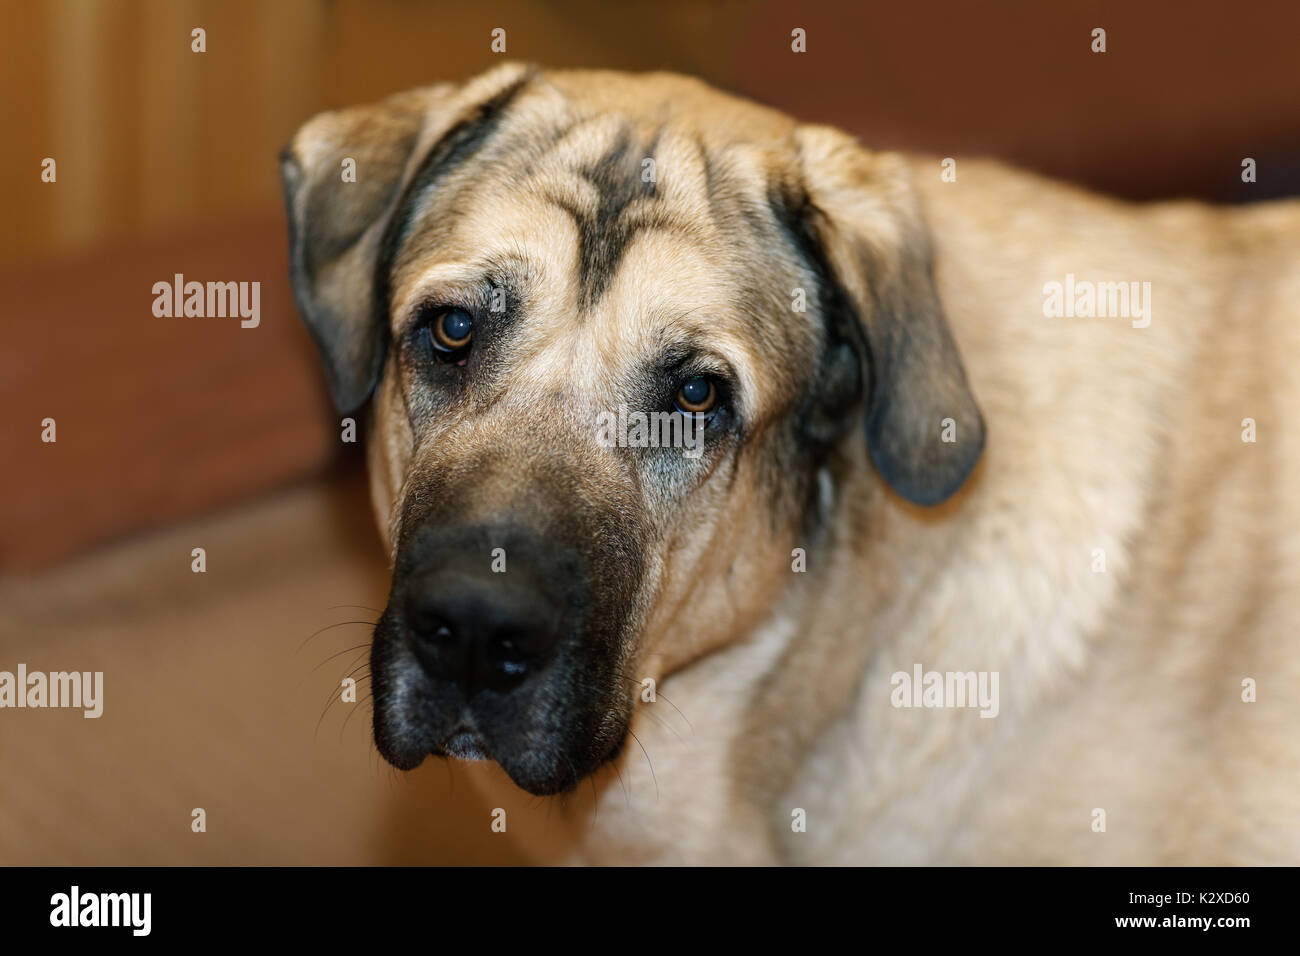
point(347, 175)
point(860, 227)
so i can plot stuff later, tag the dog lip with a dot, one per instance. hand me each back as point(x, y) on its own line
point(464, 744)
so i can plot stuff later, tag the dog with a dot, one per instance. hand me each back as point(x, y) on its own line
point(978, 561)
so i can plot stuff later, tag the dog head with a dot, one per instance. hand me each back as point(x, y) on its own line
point(534, 278)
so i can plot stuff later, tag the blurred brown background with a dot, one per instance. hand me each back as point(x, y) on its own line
point(166, 163)
point(177, 433)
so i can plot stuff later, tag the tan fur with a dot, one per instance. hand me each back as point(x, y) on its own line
point(1119, 690)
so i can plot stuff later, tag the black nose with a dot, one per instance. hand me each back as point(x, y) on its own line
point(482, 629)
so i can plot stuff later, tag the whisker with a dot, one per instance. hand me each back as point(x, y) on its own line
point(659, 696)
point(627, 797)
point(648, 761)
point(355, 707)
point(338, 654)
point(328, 702)
point(356, 667)
point(664, 724)
point(330, 627)
point(334, 694)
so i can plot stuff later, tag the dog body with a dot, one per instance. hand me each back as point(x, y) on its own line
point(1121, 689)
point(1114, 551)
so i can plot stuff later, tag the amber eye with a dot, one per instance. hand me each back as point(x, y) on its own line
point(452, 330)
point(697, 396)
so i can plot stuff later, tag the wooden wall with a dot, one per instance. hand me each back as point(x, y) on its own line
point(151, 137)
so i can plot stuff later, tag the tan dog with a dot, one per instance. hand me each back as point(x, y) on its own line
point(1107, 588)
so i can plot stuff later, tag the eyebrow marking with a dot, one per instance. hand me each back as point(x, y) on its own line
point(606, 228)
point(452, 150)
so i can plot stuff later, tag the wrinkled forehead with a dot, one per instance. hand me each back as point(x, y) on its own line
point(611, 235)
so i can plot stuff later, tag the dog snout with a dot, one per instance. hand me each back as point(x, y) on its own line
point(501, 638)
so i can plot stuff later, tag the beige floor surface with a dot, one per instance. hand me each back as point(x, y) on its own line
point(211, 701)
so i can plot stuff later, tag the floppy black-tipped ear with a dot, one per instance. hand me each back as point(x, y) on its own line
point(341, 173)
point(923, 428)
point(339, 225)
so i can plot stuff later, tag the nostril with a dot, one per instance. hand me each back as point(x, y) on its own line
point(439, 634)
point(507, 656)
point(520, 645)
point(507, 659)
point(428, 625)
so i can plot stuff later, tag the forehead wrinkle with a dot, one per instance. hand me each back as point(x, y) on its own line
point(489, 232)
point(683, 172)
point(564, 190)
point(416, 287)
point(667, 271)
point(645, 320)
point(612, 204)
point(680, 171)
point(584, 142)
point(678, 293)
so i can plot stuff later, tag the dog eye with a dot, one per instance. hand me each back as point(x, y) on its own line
point(451, 330)
point(697, 396)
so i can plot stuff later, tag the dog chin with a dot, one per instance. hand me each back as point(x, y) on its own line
point(545, 775)
point(540, 774)
point(407, 750)
point(465, 745)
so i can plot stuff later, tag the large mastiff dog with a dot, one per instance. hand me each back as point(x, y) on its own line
point(979, 539)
